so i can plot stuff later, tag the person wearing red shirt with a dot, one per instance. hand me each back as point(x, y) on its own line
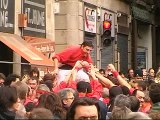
point(70, 56)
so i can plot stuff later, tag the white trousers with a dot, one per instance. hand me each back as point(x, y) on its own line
point(81, 75)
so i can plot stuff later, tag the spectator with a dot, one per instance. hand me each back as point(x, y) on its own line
point(22, 90)
point(83, 88)
point(67, 95)
point(2, 79)
point(154, 93)
point(41, 113)
point(130, 74)
point(70, 56)
point(84, 108)
point(8, 103)
point(139, 95)
point(122, 100)
point(11, 78)
point(52, 102)
point(119, 113)
point(135, 104)
point(34, 72)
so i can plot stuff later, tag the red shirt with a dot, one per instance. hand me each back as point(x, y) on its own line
point(71, 55)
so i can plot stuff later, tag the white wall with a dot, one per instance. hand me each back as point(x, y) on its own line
point(145, 40)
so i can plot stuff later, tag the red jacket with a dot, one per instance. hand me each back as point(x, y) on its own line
point(63, 84)
point(96, 89)
point(71, 55)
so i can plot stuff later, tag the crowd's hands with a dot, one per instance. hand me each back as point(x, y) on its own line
point(111, 68)
point(55, 71)
point(78, 65)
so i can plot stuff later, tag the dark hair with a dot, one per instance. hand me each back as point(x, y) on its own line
point(84, 87)
point(8, 96)
point(154, 92)
point(142, 84)
point(22, 89)
point(2, 76)
point(150, 70)
point(52, 102)
point(34, 70)
point(49, 76)
point(101, 70)
point(84, 101)
point(87, 43)
point(114, 91)
point(41, 113)
point(125, 90)
point(33, 78)
point(135, 103)
point(29, 106)
point(49, 84)
point(134, 93)
point(11, 78)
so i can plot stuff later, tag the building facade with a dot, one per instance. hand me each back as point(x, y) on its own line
point(26, 35)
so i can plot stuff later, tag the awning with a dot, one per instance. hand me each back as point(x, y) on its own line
point(24, 49)
point(42, 44)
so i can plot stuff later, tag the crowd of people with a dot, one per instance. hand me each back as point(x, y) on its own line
point(77, 89)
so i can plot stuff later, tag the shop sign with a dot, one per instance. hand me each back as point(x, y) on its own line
point(7, 16)
point(90, 19)
point(41, 44)
point(36, 20)
point(108, 15)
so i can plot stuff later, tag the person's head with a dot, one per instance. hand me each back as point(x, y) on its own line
point(34, 72)
point(49, 84)
point(151, 72)
point(49, 76)
point(52, 102)
point(125, 90)
point(42, 89)
point(135, 103)
point(8, 98)
point(22, 89)
point(119, 113)
point(11, 78)
point(137, 116)
point(145, 73)
point(41, 113)
point(142, 85)
point(130, 73)
point(2, 78)
point(29, 106)
point(102, 72)
point(84, 87)
point(87, 47)
point(122, 100)
point(139, 95)
point(84, 108)
point(33, 82)
point(67, 95)
point(105, 92)
point(154, 92)
point(114, 91)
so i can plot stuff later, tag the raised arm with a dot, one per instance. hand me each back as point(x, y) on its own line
point(116, 74)
point(105, 81)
